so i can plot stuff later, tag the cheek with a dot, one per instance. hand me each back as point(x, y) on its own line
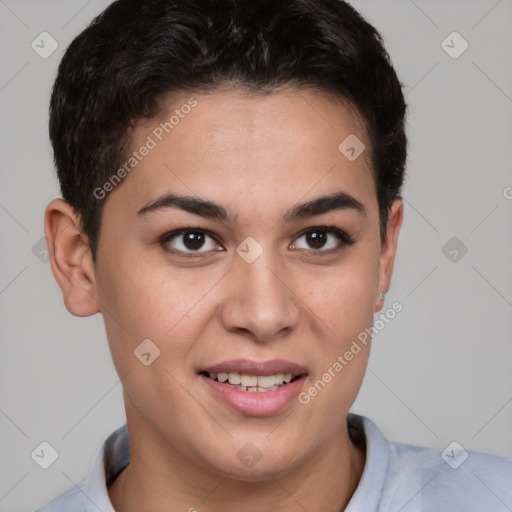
point(345, 312)
point(142, 302)
point(342, 302)
point(152, 305)
point(343, 297)
point(348, 301)
point(151, 299)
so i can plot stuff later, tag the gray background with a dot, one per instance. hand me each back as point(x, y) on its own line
point(439, 372)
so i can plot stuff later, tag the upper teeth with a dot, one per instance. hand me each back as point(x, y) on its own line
point(262, 381)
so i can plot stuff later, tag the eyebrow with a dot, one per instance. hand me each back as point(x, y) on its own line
point(208, 209)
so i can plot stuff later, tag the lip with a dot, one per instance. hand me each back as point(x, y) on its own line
point(255, 403)
point(250, 367)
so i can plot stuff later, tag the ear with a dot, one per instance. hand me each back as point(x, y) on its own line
point(388, 250)
point(70, 258)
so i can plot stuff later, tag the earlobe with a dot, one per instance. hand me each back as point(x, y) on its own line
point(70, 258)
point(388, 251)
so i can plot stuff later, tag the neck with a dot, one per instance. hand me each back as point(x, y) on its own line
point(159, 479)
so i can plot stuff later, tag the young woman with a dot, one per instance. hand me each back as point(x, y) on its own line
point(231, 176)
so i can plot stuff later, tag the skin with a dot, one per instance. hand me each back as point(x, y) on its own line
point(258, 157)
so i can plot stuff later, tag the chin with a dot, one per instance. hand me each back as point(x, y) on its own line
point(258, 473)
point(249, 464)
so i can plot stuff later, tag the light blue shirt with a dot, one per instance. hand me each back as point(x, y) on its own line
point(396, 477)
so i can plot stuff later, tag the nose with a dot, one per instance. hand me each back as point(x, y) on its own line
point(261, 301)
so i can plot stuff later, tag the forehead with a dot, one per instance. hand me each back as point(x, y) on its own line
point(241, 120)
point(231, 144)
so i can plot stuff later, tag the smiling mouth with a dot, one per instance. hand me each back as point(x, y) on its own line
point(253, 383)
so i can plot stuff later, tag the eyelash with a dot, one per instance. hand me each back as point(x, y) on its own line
point(344, 240)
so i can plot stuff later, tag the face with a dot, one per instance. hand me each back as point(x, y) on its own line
point(267, 279)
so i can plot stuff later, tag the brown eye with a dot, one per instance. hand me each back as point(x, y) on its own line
point(323, 239)
point(193, 240)
point(316, 239)
point(189, 241)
